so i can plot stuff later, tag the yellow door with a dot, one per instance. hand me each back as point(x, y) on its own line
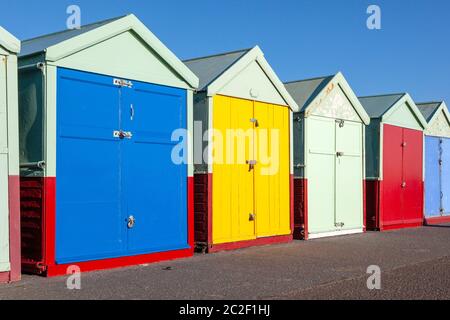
point(233, 191)
point(272, 191)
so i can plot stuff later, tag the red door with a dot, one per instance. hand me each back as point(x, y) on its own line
point(402, 195)
point(392, 212)
point(412, 196)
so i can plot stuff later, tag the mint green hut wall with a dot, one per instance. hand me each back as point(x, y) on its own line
point(328, 158)
point(9, 160)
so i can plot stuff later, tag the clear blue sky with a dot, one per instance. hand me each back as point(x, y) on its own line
point(301, 38)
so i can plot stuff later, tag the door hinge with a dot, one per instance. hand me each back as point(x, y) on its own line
point(123, 83)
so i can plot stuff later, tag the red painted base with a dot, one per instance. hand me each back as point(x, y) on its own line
point(60, 270)
point(5, 277)
point(249, 243)
point(404, 225)
point(38, 196)
point(437, 220)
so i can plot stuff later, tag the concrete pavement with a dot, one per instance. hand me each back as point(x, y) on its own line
point(415, 264)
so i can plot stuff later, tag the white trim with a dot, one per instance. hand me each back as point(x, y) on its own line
point(210, 132)
point(190, 128)
point(334, 233)
point(9, 42)
point(412, 106)
point(128, 23)
point(257, 55)
point(339, 80)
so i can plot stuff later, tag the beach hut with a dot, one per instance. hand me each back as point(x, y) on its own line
point(102, 183)
point(437, 162)
point(9, 160)
point(394, 162)
point(328, 157)
point(242, 143)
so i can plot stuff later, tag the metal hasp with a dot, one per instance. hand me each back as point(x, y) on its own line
point(122, 134)
point(131, 221)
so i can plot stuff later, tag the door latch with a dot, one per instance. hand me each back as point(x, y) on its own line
point(339, 154)
point(251, 217)
point(404, 144)
point(131, 221)
point(404, 185)
point(255, 121)
point(339, 224)
point(251, 164)
point(122, 134)
point(341, 123)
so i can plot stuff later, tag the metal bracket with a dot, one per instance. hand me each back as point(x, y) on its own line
point(341, 123)
point(33, 165)
point(122, 134)
point(251, 164)
point(255, 121)
point(252, 217)
point(123, 83)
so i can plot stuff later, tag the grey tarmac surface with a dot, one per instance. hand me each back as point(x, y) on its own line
point(415, 264)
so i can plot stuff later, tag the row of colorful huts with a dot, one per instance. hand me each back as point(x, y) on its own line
point(86, 155)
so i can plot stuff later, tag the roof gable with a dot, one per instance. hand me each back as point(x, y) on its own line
point(216, 72)
point(397, 109)
point(438, 119)
point(9, 42)
point(309, 94)
point(61, 45)
point(210, 68)
point(429, 109)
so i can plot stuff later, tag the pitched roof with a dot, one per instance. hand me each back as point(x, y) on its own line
point(216, 71)
point(62, 44)
point(377, 106)
point(39, 44)
point(209, 68)
point(304, 91)
point(428, 109)
point(8, 41)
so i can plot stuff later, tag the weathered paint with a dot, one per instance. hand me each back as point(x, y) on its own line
point(9, 160)
point(439, 126)
point(44, 125)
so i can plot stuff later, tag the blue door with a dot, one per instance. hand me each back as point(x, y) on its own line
point(155, 186)
point(103, 177)
point(445, 147)
point(432, 177)
point(88, 182)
